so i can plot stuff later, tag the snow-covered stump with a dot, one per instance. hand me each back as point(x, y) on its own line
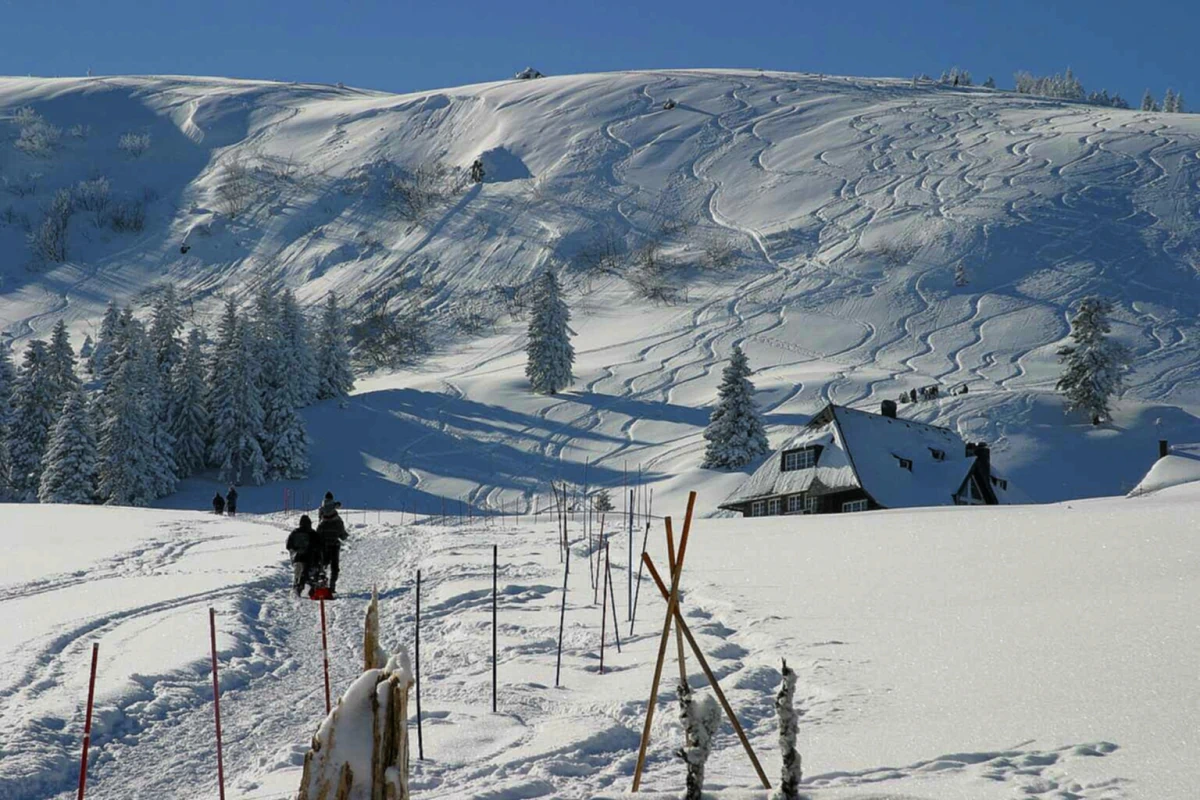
point(789, 779)
point(374, 656)
point(360, 752)
point(699, 720)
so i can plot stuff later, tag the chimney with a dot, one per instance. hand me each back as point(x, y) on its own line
point(970, 449)
point(983, 455)
point(888, 409)
point(1163, 448)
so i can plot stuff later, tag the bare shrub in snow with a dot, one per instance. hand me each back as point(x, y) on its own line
point(472, 316)
point(514, 298)
point(38, 137)
point(892, 253)
point(22, 185)
point(653, 276)
point(48, 241)
point(413, 193)
point(93, 196)
point(235, 186)
point(128, 216)
point(80, 131)
point(10, 216)
point(719, 254)
point(785, 709)
point(602, 255)
point(383, 339)
point(699, 720)
point(134, 144)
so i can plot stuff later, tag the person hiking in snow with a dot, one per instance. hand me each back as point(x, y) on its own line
point(231, 501)
point(332, 532)
point(304, 545)
point(218, 504)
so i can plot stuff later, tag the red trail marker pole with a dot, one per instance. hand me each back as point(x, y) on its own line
point(87, 724)
point(212, 629)
point(325, 656)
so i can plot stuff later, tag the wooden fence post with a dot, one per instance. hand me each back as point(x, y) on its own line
point(562, 619)
point(87, 723)
point(325, 657)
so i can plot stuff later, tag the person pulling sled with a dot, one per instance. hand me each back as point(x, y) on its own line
point(331, 532)
point(305, 548)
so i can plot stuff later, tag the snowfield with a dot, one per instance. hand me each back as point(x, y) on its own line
point(965, 652)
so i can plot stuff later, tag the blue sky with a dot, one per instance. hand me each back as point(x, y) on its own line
point(402, 46)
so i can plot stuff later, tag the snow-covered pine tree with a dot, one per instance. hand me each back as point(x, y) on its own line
point(61, 356)
point(299, 341)
point(106, 339)
point(960, 275)
point(990, 83)
point(602, 502)
point(1168, 104)
point(86, 349)
point(284, 439)
point(785, 709)
point(549, 350)
point(1179, 103)
point(69, 467)
point(190, 422)
point(735, 431)
point(155, 394)
point(1148, 103)
point(124, 471)
point(699, 721)
point(166, 322)
point(8, 379)
point(335, 379)
point(1095, 364)
point(235, 403)
point(31, 422)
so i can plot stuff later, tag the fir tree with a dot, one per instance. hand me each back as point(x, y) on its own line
point(235, 402)
point(1168, 104)
point(166, 321)
point(284, 439)
point(549, 350)
point(61, 356)
point(735, 432)
point(1179, 103)
point(8, 379)
point(106, 339)
point(602, 502)
point(1095, 363)
point(334, 376)
point(32, 421)
point(785, 710)
point(1148, 103)
point(190, 422)
point(296, 338)
point(85, 351)
point(69, 467)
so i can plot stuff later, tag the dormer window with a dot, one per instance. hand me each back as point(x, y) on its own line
point(905, 463)
point(1001, 482)
point(938, 455)
point(800, 458)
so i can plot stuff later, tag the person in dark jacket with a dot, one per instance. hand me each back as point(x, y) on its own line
point(231, 501)
point(332, 532)
point(304, 545)
point(218, 504)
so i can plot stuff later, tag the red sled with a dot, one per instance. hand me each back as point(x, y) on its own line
point(320, 593)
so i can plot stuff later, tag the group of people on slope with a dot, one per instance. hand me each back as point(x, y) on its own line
point(227, 504)
point(317, 550)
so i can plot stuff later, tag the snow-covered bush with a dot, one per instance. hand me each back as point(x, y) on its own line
point(37, 137)
point(80, 131)
point(785, 709)
point(133, 144)
point(699, 720)
point(127, 216)
point(94, 197)
point(1066, 87)
point(735, 430)
point(956, 77)
point(48, 242)
point(1094, 363)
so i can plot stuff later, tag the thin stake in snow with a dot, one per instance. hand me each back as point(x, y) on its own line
point(87, 722)
point(325, 657)
point(629, 583)
point(612, 598)
point(562, 619)
point(678, 636)
point(495, 585)
point(638, 591)
point(212, 630)
point(420, 740)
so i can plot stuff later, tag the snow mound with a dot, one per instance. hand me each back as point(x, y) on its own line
point(1168, 471)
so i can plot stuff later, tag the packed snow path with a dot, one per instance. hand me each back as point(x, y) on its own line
point(940, 654)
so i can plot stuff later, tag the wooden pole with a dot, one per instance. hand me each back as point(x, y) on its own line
point(708, 673)
point(562, 619)
point(420, 740)
point(325, 656)
point(495, 585)
point(87, 721)
point(212, 629)
point(672, 602)
point(612, 596)
point(603, 619)
point(638, 591)
point(678, 638)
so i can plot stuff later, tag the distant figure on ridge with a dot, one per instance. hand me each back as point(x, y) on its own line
point(231, 501)
point(218, 504)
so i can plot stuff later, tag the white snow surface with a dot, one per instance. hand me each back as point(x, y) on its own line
point(844, 206)
point(1044, 651)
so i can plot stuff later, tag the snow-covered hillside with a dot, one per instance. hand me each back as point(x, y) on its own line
point(1035, 651)
point(818, 221)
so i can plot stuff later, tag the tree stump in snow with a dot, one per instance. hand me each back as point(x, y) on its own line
point(360, 752)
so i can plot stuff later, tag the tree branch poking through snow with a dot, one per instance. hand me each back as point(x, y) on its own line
point(789, 781)
point(699, 720)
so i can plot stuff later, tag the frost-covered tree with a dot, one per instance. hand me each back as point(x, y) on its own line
point(235, 402)
point(990, 83)
point(1148, 103)
point(1168, 104)
point(735, 431)
point(335, 379)
point(1094, 363)
point(699, 720)
point(8, 379)
point(166, 322)
point(69, 467)
point(31, 422)
point(785, 709)
point(190, 421)
point(284, 440)
point(602, 502)
point(549, 350)
point(86, 349)
point(106, 339)
point(299, 342)
point(1179, 103)
point(61, 358)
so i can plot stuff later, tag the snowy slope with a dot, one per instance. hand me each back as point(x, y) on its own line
point(1037, 651)
point(845, 206)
